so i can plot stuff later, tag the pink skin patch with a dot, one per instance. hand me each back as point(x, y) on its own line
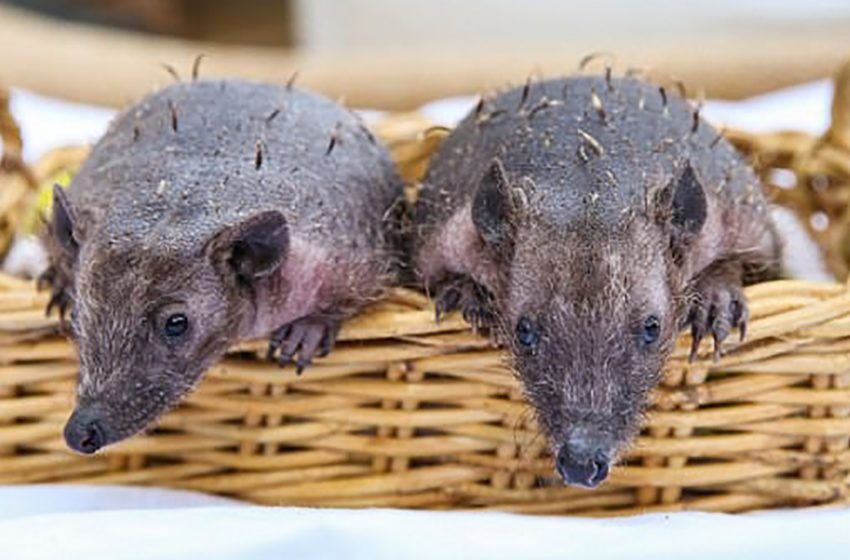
point(300, 308)
point(456, 248)
point(298, 290)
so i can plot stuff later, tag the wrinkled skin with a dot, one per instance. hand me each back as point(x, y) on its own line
point(213, 212)
point(598, 220)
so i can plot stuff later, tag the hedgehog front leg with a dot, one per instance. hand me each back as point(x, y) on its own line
point(717, 305)
point(310, 336)
point(474, 301)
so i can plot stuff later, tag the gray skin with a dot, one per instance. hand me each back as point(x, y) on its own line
point(213, 212)
point(586, 221)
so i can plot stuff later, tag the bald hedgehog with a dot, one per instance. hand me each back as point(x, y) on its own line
point(209, 213)
point(586, 221)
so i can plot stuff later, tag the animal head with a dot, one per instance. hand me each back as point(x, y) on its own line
point(589, 308)
point(149, 320)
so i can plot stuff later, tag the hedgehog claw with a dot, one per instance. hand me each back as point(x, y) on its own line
point(59, 301)
point(719, 307)
point(448, 300)
point(46, 279)
point(328, 341)
point(464, 294)
point(275, 340)
point(60, 296)
point(307, 337)
point(301, 365)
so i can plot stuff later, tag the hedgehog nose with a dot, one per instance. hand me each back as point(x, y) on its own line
point(578, 469)
point(84, 433)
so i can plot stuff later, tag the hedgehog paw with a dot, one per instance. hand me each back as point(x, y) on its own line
point(718, 306)
point(473, 300)
point(307, 337)
point(60, 293)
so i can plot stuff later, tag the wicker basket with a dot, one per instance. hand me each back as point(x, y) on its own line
point(408, 413)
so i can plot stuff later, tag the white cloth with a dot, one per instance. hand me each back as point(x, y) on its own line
point(151, 524)
point(48, 123)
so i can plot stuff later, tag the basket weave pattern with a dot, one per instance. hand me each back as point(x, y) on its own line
point(409, 413)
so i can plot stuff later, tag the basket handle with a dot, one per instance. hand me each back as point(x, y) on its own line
point(838, 133)
point(10, 132)
point(11, 156)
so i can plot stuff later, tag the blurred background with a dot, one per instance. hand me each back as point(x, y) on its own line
point(396, 55)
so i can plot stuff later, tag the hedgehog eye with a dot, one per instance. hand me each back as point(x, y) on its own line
point(651, 329)
point(526, 334)
point(175, 326)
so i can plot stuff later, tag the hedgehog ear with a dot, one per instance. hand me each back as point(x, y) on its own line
point(493, 208)
point(684, 205)
point(62, 224)
point(253, 248)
